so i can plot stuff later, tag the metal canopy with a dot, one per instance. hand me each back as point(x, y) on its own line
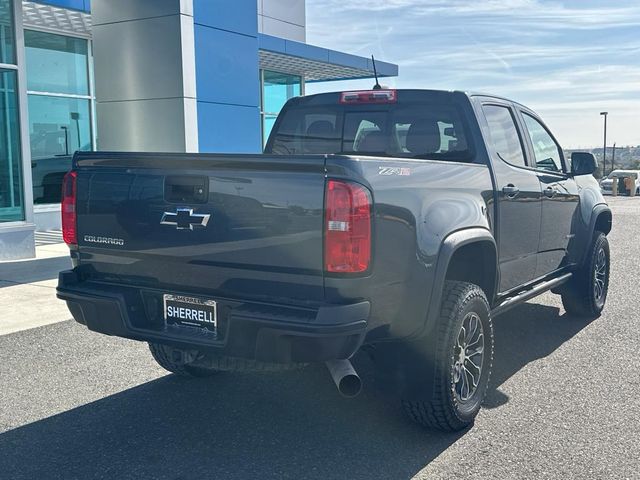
point(311, 70)
point(56, 19)
point(316, 64)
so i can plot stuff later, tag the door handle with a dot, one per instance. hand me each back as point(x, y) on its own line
point(510, 190)
point(550, 192)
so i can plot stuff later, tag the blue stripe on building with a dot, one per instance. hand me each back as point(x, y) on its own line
point(227, 76)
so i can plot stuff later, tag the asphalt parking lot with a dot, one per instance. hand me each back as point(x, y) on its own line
point(563, 403)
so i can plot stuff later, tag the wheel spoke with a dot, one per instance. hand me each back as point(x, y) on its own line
point(474, 381)
point(469, 382)
point(479, 340)
point(464, 387)
point(461, 337)
point(475, 365)
point(599, 288)
point(473, 328)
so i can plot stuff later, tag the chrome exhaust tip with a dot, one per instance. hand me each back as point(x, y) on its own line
point(345, 377)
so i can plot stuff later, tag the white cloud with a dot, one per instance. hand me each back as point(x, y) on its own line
point(566, 59)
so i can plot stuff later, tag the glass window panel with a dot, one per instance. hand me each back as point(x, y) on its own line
point(422, 130)
point(58, 127)
point(546, 150)
point(11, 198)
point(56, 64)
point(267, 125)
point(278, 88)
point(365, 133)
point(7, 52)
point(504, 134)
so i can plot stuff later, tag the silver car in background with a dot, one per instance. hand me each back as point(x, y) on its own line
point(607, 183)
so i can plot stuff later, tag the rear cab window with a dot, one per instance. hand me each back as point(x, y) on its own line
point(427, 129)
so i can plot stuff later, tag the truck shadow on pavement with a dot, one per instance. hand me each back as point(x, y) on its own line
point(525, 334)
point(36, 270)
point(238, 426)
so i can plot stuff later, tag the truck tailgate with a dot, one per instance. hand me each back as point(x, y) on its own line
point(238, 225)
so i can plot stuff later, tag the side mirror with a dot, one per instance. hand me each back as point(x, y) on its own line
point(583, 163)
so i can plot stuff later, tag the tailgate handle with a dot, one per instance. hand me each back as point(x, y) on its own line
point(186, 189)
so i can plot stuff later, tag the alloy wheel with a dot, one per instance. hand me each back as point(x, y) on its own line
point(600, 276)
point(468, 357)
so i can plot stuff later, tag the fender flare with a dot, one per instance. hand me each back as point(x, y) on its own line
point(597, 211)
point(452, 243)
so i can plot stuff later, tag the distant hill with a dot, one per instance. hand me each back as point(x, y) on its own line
point(625, 157)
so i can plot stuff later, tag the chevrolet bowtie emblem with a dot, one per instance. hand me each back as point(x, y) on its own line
point(185, 219)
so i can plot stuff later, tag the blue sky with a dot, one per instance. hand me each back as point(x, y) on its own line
point(566, 60)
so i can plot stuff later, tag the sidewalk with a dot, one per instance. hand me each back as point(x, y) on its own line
point(27, 287)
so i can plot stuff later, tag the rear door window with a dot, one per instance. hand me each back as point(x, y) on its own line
point(504, 134)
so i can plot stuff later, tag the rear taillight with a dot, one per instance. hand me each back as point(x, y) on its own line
point(347, 242)
point(69, 189)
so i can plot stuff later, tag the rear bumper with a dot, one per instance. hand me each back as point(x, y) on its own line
point(252, 330)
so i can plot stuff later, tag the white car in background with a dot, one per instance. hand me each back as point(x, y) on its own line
point(606, 183)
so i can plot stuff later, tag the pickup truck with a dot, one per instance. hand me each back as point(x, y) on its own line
point(396, 222)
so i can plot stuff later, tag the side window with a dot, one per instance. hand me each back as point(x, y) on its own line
point(504, 134)
point(545, 148)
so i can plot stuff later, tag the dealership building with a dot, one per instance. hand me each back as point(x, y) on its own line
point(143, 75)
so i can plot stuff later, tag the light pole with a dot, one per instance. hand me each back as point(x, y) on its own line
point(613, 157)
point(604, 150)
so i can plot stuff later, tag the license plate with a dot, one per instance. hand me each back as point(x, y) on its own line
point(190, 312)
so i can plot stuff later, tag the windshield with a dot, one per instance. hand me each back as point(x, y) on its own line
point(421, 130)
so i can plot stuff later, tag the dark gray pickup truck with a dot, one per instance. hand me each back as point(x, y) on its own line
point(399, 222)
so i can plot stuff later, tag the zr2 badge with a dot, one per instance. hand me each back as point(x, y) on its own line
point(402, 171)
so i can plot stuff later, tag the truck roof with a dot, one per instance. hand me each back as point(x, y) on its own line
point(439, 92)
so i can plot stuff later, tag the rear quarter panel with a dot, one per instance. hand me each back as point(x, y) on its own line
point(417, 204)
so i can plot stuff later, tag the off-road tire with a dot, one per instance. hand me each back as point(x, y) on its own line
point(444, 410)
point(579, 296)
point(163, 355)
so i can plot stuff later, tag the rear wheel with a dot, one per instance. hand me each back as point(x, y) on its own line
point(463, 361)
point(586, 293)
point(173, 360)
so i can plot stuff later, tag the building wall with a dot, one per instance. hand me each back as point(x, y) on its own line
point(145, 75)
point(227, 76)
point(84, 5)
point(16, 232)
point(192, 78)
point(283, 18)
